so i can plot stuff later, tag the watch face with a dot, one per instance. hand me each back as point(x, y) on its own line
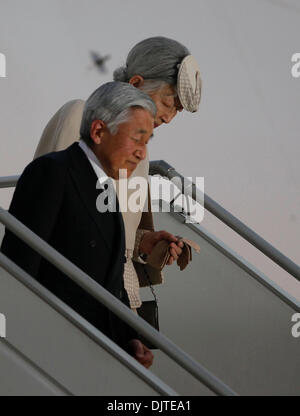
point(144, 257)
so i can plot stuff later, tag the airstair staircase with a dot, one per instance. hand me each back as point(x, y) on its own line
point(225, 327)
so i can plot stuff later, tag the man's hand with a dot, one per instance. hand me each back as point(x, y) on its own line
point(150, 240)
point(141, 353)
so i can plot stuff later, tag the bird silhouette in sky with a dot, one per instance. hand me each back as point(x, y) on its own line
point(99, 61)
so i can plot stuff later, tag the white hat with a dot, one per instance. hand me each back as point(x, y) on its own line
point(189, 84)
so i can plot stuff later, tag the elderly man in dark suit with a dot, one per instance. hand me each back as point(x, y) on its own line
point(56, 198)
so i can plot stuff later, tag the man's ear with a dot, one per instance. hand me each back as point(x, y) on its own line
point(97, 131)
point(137, 81)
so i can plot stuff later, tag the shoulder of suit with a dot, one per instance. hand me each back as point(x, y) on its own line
point(51, 170)
point(54, 159)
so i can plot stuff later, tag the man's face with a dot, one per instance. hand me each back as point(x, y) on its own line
point(167, 104)
point(128, 146)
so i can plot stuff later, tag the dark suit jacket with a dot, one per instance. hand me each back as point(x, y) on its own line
point(56, 198)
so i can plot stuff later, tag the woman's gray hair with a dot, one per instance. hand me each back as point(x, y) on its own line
point(155, 59)
point(112, 103)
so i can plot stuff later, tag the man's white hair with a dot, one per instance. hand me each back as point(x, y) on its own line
point(112, 103)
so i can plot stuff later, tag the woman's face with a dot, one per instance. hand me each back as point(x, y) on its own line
point(167, 104)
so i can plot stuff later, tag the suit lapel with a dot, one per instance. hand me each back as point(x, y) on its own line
point(85, 181)
point(119, 255)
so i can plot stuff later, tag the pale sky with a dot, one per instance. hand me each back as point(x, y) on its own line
point(244, 140)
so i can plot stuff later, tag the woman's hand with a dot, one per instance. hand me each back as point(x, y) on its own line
point(150, 239)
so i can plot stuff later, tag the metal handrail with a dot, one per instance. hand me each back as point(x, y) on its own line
point(162, 168)
point(9, 181)
point(34, 286)
point(117, 307)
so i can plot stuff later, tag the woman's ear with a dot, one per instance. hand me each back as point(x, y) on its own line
point(97, 131)
point(137, 81)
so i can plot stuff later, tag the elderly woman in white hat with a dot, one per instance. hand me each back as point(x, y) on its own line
point(166, 71)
